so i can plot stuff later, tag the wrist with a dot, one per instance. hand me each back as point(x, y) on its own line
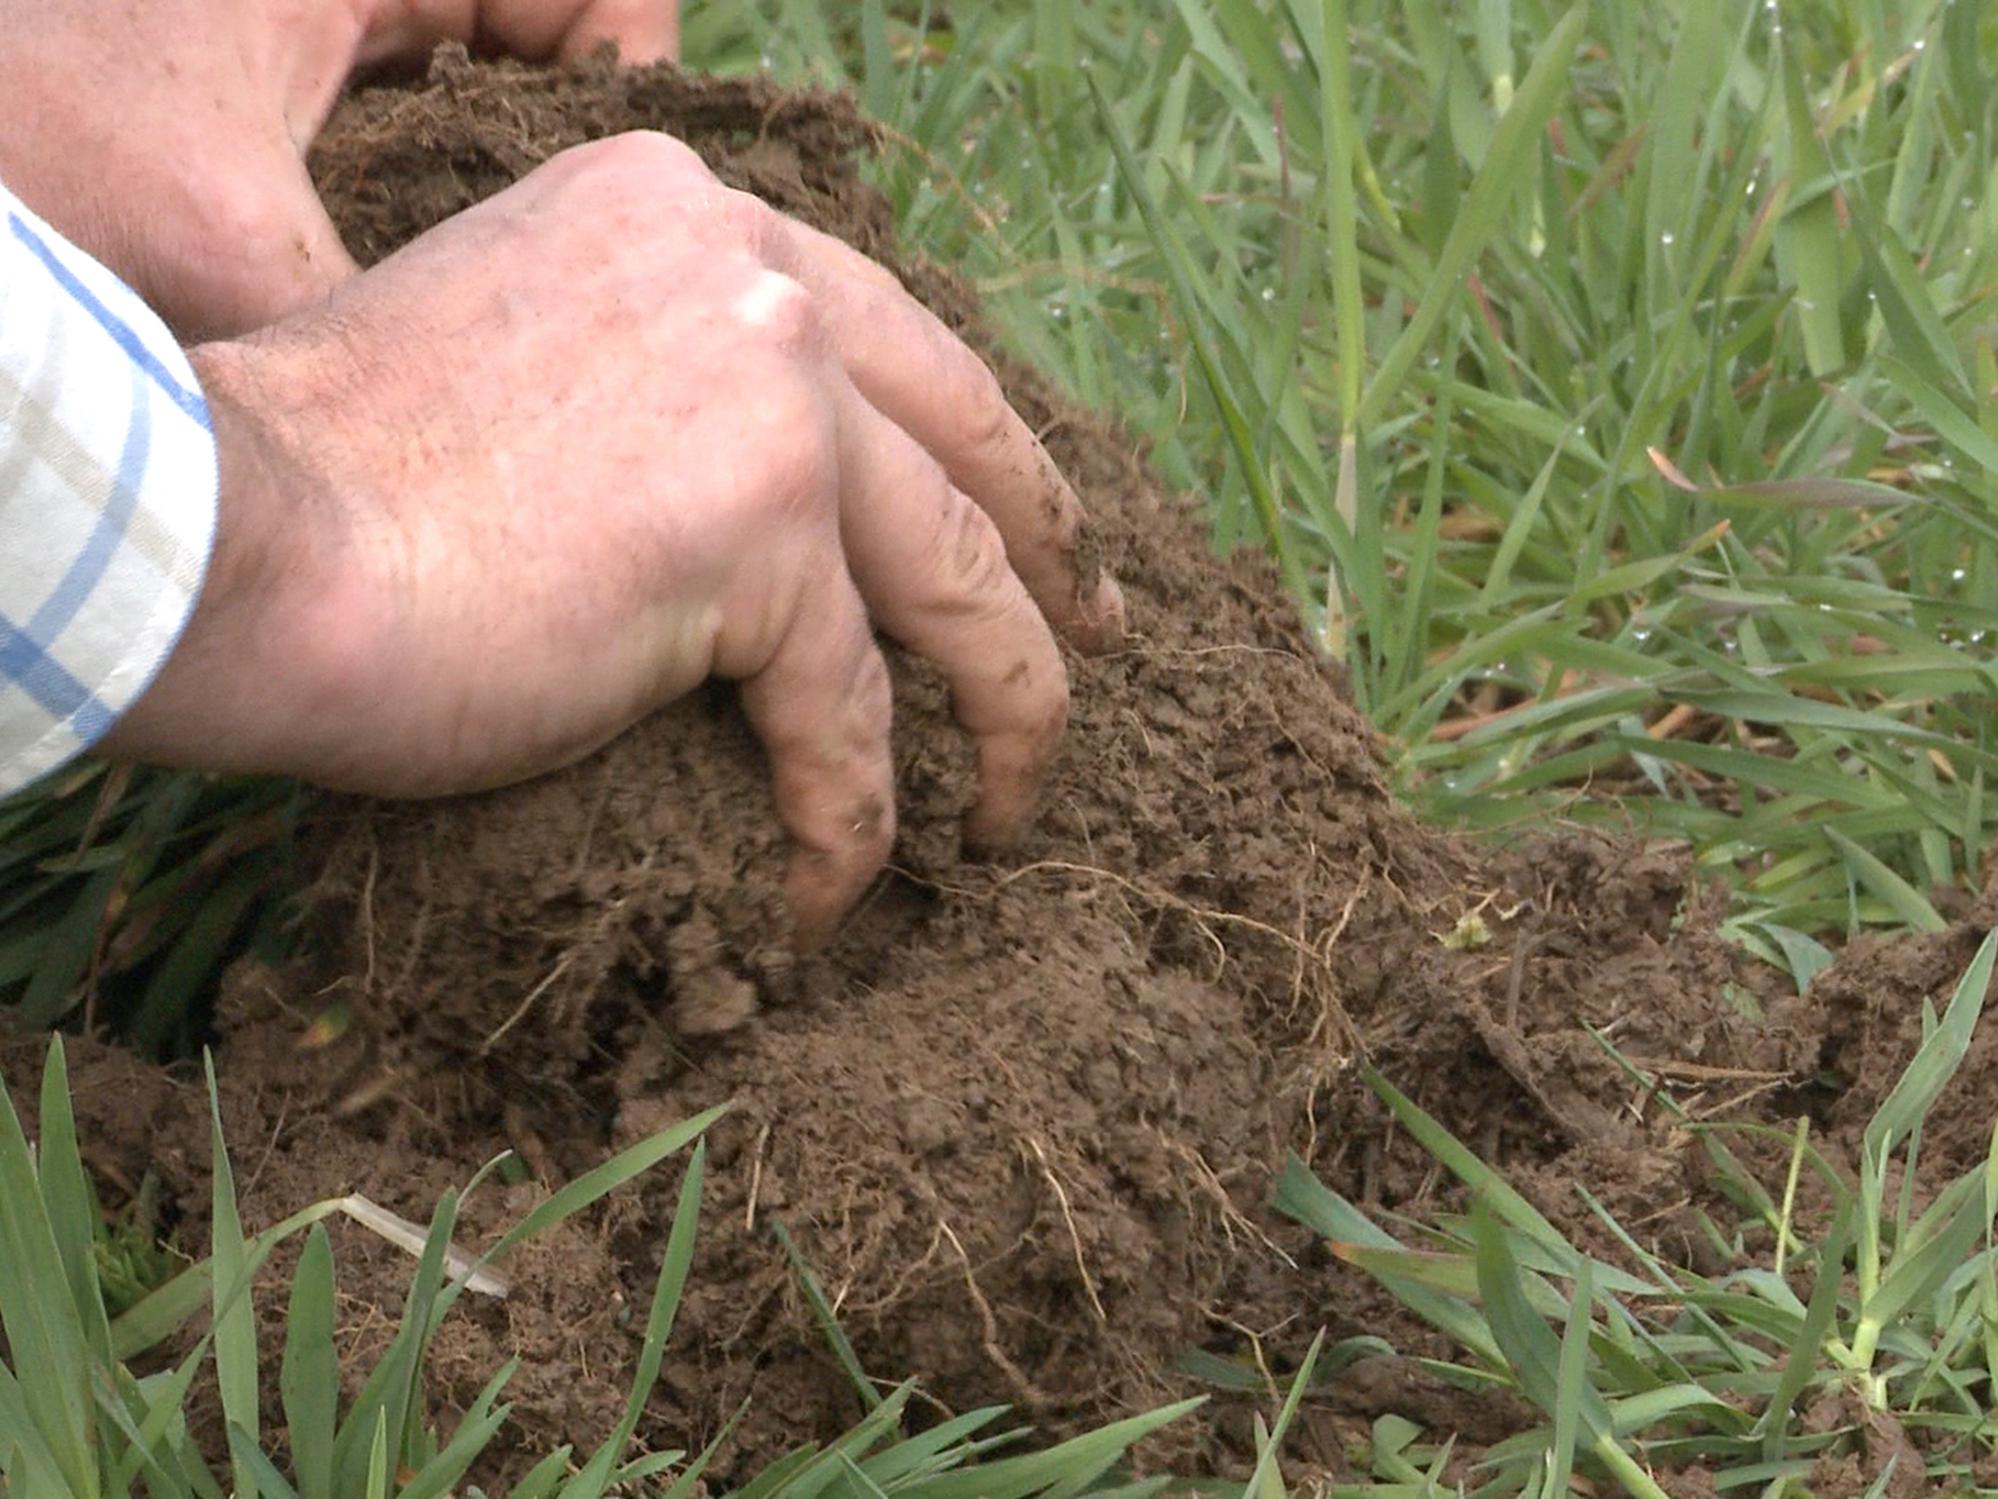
point(266, 665)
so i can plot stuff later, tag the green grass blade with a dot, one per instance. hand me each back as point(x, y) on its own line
point(1914, 1093)
point(73, 1212)
point(1266, 1471)
point(541, 1480)
point(672, 1281)
point(1513, 146)
point(248, 1457)
point(822, 1313)
point(1906, 902)
point(1463, 1164)
point(309, 1378)
point(1571, 1383)
point(438, 1478)
point(234, 1315)
point(1080, 1457)
point(45, 1339)
point(591, 1186)
point(1801, 1366)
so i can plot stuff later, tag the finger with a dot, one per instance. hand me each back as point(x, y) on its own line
point(933, 570)
point(919, 376)
point(821, 708)
point(645, 31)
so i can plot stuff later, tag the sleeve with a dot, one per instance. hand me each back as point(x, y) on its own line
point(107, 497)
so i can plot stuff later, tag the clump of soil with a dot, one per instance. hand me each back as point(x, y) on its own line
point(1024, 1118)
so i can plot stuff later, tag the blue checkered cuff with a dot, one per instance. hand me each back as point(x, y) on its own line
point(107, 497)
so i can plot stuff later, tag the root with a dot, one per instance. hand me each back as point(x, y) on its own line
point(755, 1180)
point(520, 1010)
point(1233, 1219)
point(1015, 1375)
point(1318, 954)
point(1074, 1238)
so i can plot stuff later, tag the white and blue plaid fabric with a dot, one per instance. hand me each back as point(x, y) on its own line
point(107, 497)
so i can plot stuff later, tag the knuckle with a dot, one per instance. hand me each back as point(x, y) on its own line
point(1054, 722)
point(780, 313)
point(247, 228)
point(873, 695)
point(790, 473)
point(987, 419)
point(645, 153)
point(972, 551)
point(744, 219)
point(784, 478)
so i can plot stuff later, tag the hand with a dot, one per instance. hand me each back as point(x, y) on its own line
point(611, 432)
point(168, 138)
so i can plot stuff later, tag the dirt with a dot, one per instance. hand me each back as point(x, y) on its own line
point(1024, 1118)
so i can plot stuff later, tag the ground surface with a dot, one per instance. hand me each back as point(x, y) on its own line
point(1023, 1119)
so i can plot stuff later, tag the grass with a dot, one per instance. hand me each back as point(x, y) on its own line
point(1872, 1316)
point(1613, 383)
point(1874, 1322)
point(94, 1402)
point(1616, 387)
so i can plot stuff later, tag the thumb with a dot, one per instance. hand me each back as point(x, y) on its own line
point(241, 245)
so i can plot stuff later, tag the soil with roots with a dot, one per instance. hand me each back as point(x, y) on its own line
point(1024, 1119)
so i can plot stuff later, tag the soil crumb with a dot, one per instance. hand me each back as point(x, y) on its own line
point(1024, 1119)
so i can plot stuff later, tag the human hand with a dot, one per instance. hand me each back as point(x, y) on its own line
point(611, 432)
point(168, 138)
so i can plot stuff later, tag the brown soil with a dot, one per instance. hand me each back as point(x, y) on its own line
point(1023, 1119)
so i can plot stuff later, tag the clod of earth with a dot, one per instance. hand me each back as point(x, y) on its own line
point(1024, 1118)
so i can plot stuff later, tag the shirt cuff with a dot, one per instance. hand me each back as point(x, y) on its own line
point(108, 495)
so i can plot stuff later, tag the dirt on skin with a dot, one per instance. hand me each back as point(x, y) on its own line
point(1024, 1119)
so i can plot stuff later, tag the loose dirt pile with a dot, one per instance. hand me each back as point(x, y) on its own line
point(1023, 1119)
